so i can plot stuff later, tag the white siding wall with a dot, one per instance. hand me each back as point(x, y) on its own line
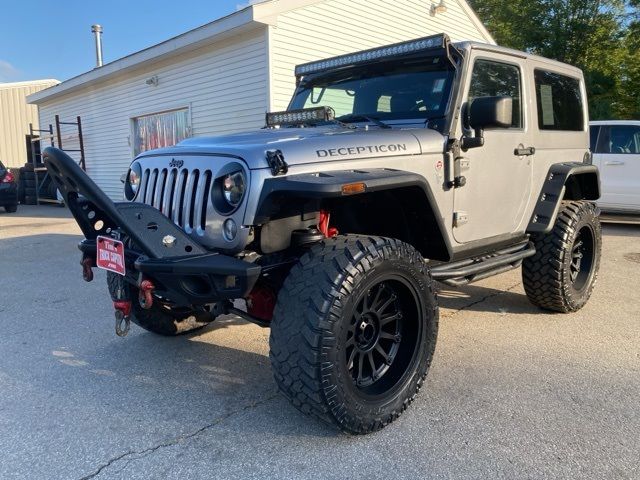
point(224, 85)
point(335, 27)
point(15, 116)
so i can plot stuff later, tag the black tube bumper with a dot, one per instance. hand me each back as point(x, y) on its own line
point(181, 270)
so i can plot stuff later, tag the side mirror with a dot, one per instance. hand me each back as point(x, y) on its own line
point(487, 112)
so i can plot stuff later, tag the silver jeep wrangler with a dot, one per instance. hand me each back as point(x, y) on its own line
point(392, 168)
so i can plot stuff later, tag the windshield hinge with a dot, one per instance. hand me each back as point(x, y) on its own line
point(275, 159)
point(455, 177)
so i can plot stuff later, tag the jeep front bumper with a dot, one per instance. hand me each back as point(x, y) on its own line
point(182, 270)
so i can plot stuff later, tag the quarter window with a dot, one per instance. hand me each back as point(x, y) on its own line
point(160, 130)
point(559, 100)
point(495, 79)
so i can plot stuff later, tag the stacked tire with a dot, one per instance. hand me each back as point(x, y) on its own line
point(27, 194)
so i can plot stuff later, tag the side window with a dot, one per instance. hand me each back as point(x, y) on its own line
point(495, 79)
point(594, 130)
point(620, 139)
point(559, 99)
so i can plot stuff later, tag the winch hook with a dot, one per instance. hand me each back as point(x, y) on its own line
point(123, 323)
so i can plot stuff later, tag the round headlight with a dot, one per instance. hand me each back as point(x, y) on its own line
point(233, 187)
point(133, 181)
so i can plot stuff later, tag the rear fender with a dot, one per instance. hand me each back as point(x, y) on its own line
point(565, 181)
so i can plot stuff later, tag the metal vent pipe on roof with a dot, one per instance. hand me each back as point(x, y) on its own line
point(97, 32)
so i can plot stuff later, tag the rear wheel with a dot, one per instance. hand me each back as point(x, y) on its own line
point(11, 208)
point(562, 273)
point(354, 331)
point(160, 318)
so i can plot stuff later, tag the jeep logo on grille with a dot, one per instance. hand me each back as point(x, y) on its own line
point(176, 163)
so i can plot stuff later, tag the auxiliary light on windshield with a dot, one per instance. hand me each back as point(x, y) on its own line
point(426, 43)
point(300, 117)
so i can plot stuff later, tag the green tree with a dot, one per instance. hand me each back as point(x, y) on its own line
point(601, 37)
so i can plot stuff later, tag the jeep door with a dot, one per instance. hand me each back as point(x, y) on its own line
point(617, 155)
point(494, 200)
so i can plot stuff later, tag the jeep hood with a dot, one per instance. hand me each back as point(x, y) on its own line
point(311, 145)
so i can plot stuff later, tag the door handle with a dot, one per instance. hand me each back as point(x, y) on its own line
point(524, 152)
point(614, 162)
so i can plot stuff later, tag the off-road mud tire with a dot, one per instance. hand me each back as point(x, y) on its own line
point(547, 275)
point(160, 319)
point(314, 310)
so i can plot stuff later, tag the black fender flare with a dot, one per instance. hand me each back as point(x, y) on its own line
point(330, 185)
point(564, 181)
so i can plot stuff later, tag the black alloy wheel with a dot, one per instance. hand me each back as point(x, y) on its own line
point(582, 257)
point(382, 337)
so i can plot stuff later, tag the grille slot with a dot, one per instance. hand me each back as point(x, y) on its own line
point(182, 195)
point(202, 202)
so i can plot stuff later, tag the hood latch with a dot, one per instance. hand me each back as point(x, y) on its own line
point(275, 159)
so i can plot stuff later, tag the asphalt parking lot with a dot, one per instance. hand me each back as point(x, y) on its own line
point(513, 392)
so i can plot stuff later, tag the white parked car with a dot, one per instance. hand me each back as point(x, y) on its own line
point(616, 152)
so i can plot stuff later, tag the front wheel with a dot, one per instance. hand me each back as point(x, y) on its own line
point(561, 275)
point(354, 331)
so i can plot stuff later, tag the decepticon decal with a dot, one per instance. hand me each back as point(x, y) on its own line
point(344, 151)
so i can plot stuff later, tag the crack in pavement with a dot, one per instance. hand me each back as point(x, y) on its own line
point(483, 299)
point(139, 454)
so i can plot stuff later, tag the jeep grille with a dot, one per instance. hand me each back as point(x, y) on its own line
point(181, 195)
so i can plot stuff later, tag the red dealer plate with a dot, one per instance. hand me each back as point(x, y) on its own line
point(110, 255)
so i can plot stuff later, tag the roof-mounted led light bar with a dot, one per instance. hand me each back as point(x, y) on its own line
point(404, 48)
point(300, 117)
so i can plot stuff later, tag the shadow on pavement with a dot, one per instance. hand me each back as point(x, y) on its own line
point(484, 299)
point(621, 230)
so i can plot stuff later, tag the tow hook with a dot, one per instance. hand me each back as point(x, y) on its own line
point(123, 320)
point(323, 224)
point(145, 295)
point(87, 264)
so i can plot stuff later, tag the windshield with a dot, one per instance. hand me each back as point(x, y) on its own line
point(383, 92)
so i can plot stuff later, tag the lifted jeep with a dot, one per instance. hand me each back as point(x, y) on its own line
point(392, 168)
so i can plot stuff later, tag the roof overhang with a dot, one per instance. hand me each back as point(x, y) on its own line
point(244, 20)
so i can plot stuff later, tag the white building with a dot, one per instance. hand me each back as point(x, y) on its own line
point(15, 116)
point(223, 77)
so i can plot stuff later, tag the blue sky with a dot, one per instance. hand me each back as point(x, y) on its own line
point(53, 39)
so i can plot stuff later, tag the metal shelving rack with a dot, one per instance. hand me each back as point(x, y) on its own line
point(39, 135)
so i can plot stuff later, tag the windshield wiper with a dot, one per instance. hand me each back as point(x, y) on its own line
point(357, 117)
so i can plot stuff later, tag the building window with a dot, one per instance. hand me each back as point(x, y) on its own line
point(160, 130)
point(496, 79)
point(559, 100)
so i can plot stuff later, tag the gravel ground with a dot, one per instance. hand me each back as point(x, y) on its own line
point(513, 392)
